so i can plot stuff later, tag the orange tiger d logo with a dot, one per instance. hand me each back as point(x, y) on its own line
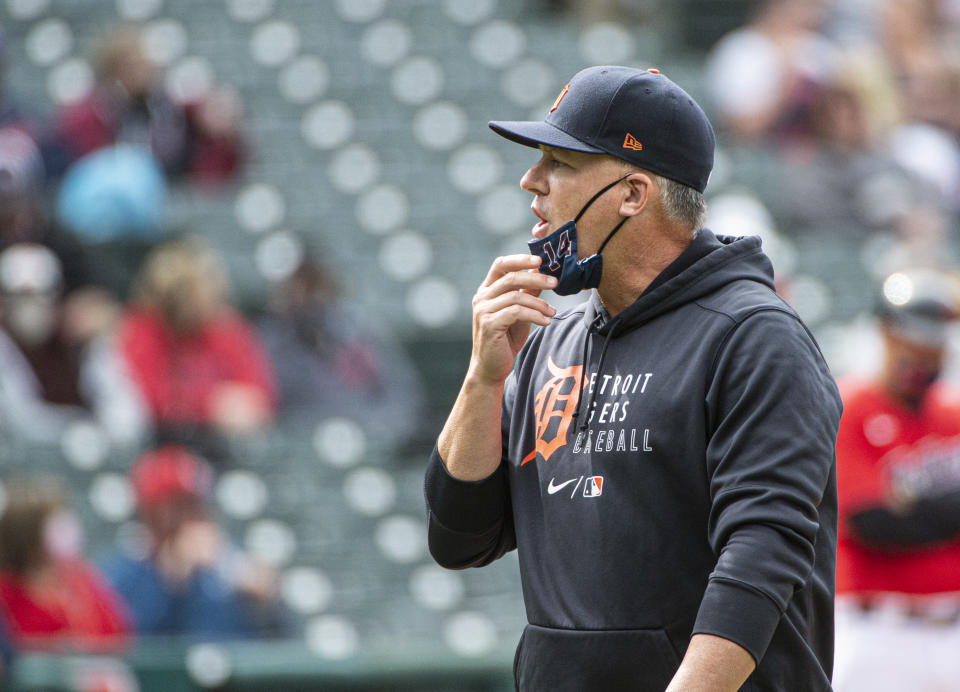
point(554, 406)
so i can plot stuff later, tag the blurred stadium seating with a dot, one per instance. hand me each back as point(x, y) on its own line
point(342, 523)
point(367, 125)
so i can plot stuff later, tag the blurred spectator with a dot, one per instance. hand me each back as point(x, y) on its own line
point(213, 136)
point(328, 362)
point(913, 32)
point(50, 597)
point(58, 359)
point(21, 182)
point(764, 76)
point(115, 193)
point(898, 556)
point(856, 105)
point(927, 143)
point(23, 216)
point(921, 39)
point(189, 580)
point(845, 179)
point(112, 204)
point(198, 363)
point(129, 105)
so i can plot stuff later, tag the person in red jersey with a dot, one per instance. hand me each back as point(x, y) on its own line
point(50, 597)
point(898, 476)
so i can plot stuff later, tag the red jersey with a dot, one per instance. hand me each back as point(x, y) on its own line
point(178, 374)
point(882, 446)
point(74, 609)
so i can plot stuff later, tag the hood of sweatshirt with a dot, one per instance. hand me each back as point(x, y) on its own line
point(708, 263)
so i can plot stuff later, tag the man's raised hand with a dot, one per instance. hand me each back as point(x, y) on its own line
point(504, 307)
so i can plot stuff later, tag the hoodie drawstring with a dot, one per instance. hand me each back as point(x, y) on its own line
point(585, 361)
point(584, 424)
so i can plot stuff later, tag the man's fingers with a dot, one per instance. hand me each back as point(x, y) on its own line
point(531, 282)
point(512, 314)
point(510, 263)
point(509, 298)
point(517, 297)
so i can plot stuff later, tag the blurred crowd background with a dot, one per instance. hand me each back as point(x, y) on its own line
point(238, 241)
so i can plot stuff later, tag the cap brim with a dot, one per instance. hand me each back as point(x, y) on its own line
point(533, 133)
point(921, 330)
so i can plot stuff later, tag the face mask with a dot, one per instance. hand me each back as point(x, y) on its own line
point(63, 535)
point(914, 380)
point(31, 318)
point(558, 254)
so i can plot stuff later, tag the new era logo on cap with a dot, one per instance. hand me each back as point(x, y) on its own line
point(631, 142)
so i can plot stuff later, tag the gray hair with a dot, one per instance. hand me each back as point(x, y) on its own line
point(682, 203)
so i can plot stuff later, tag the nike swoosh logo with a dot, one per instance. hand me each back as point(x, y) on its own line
point(551, 488)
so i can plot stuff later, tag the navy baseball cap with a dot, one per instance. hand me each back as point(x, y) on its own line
point(639, 116)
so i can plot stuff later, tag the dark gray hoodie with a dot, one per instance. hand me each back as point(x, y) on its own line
point(688, 488)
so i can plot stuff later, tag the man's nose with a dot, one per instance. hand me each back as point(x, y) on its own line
point(534, 181)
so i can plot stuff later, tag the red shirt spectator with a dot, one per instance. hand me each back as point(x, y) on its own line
point(71, 606)
point(49, 596)
point(195, 360)
point(183, 377)
point(128, 104)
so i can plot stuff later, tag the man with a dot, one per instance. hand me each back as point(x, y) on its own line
point(58, 360)
point(661, 455)
point(189, 581)
point(898, 552)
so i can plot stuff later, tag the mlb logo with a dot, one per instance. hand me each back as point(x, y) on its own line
point(593, 487)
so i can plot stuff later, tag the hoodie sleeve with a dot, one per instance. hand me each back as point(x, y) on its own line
point(469, 523)
point(773, 411)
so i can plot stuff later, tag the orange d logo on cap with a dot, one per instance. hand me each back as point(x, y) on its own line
point(559, 98)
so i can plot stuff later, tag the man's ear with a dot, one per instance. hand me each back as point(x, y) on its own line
point(641, 188)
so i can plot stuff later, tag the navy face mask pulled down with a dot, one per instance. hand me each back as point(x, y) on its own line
point(558, 253)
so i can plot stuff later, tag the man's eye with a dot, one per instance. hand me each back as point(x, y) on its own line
point(556, 163)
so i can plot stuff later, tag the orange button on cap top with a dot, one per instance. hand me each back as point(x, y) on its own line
point(653, 70)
